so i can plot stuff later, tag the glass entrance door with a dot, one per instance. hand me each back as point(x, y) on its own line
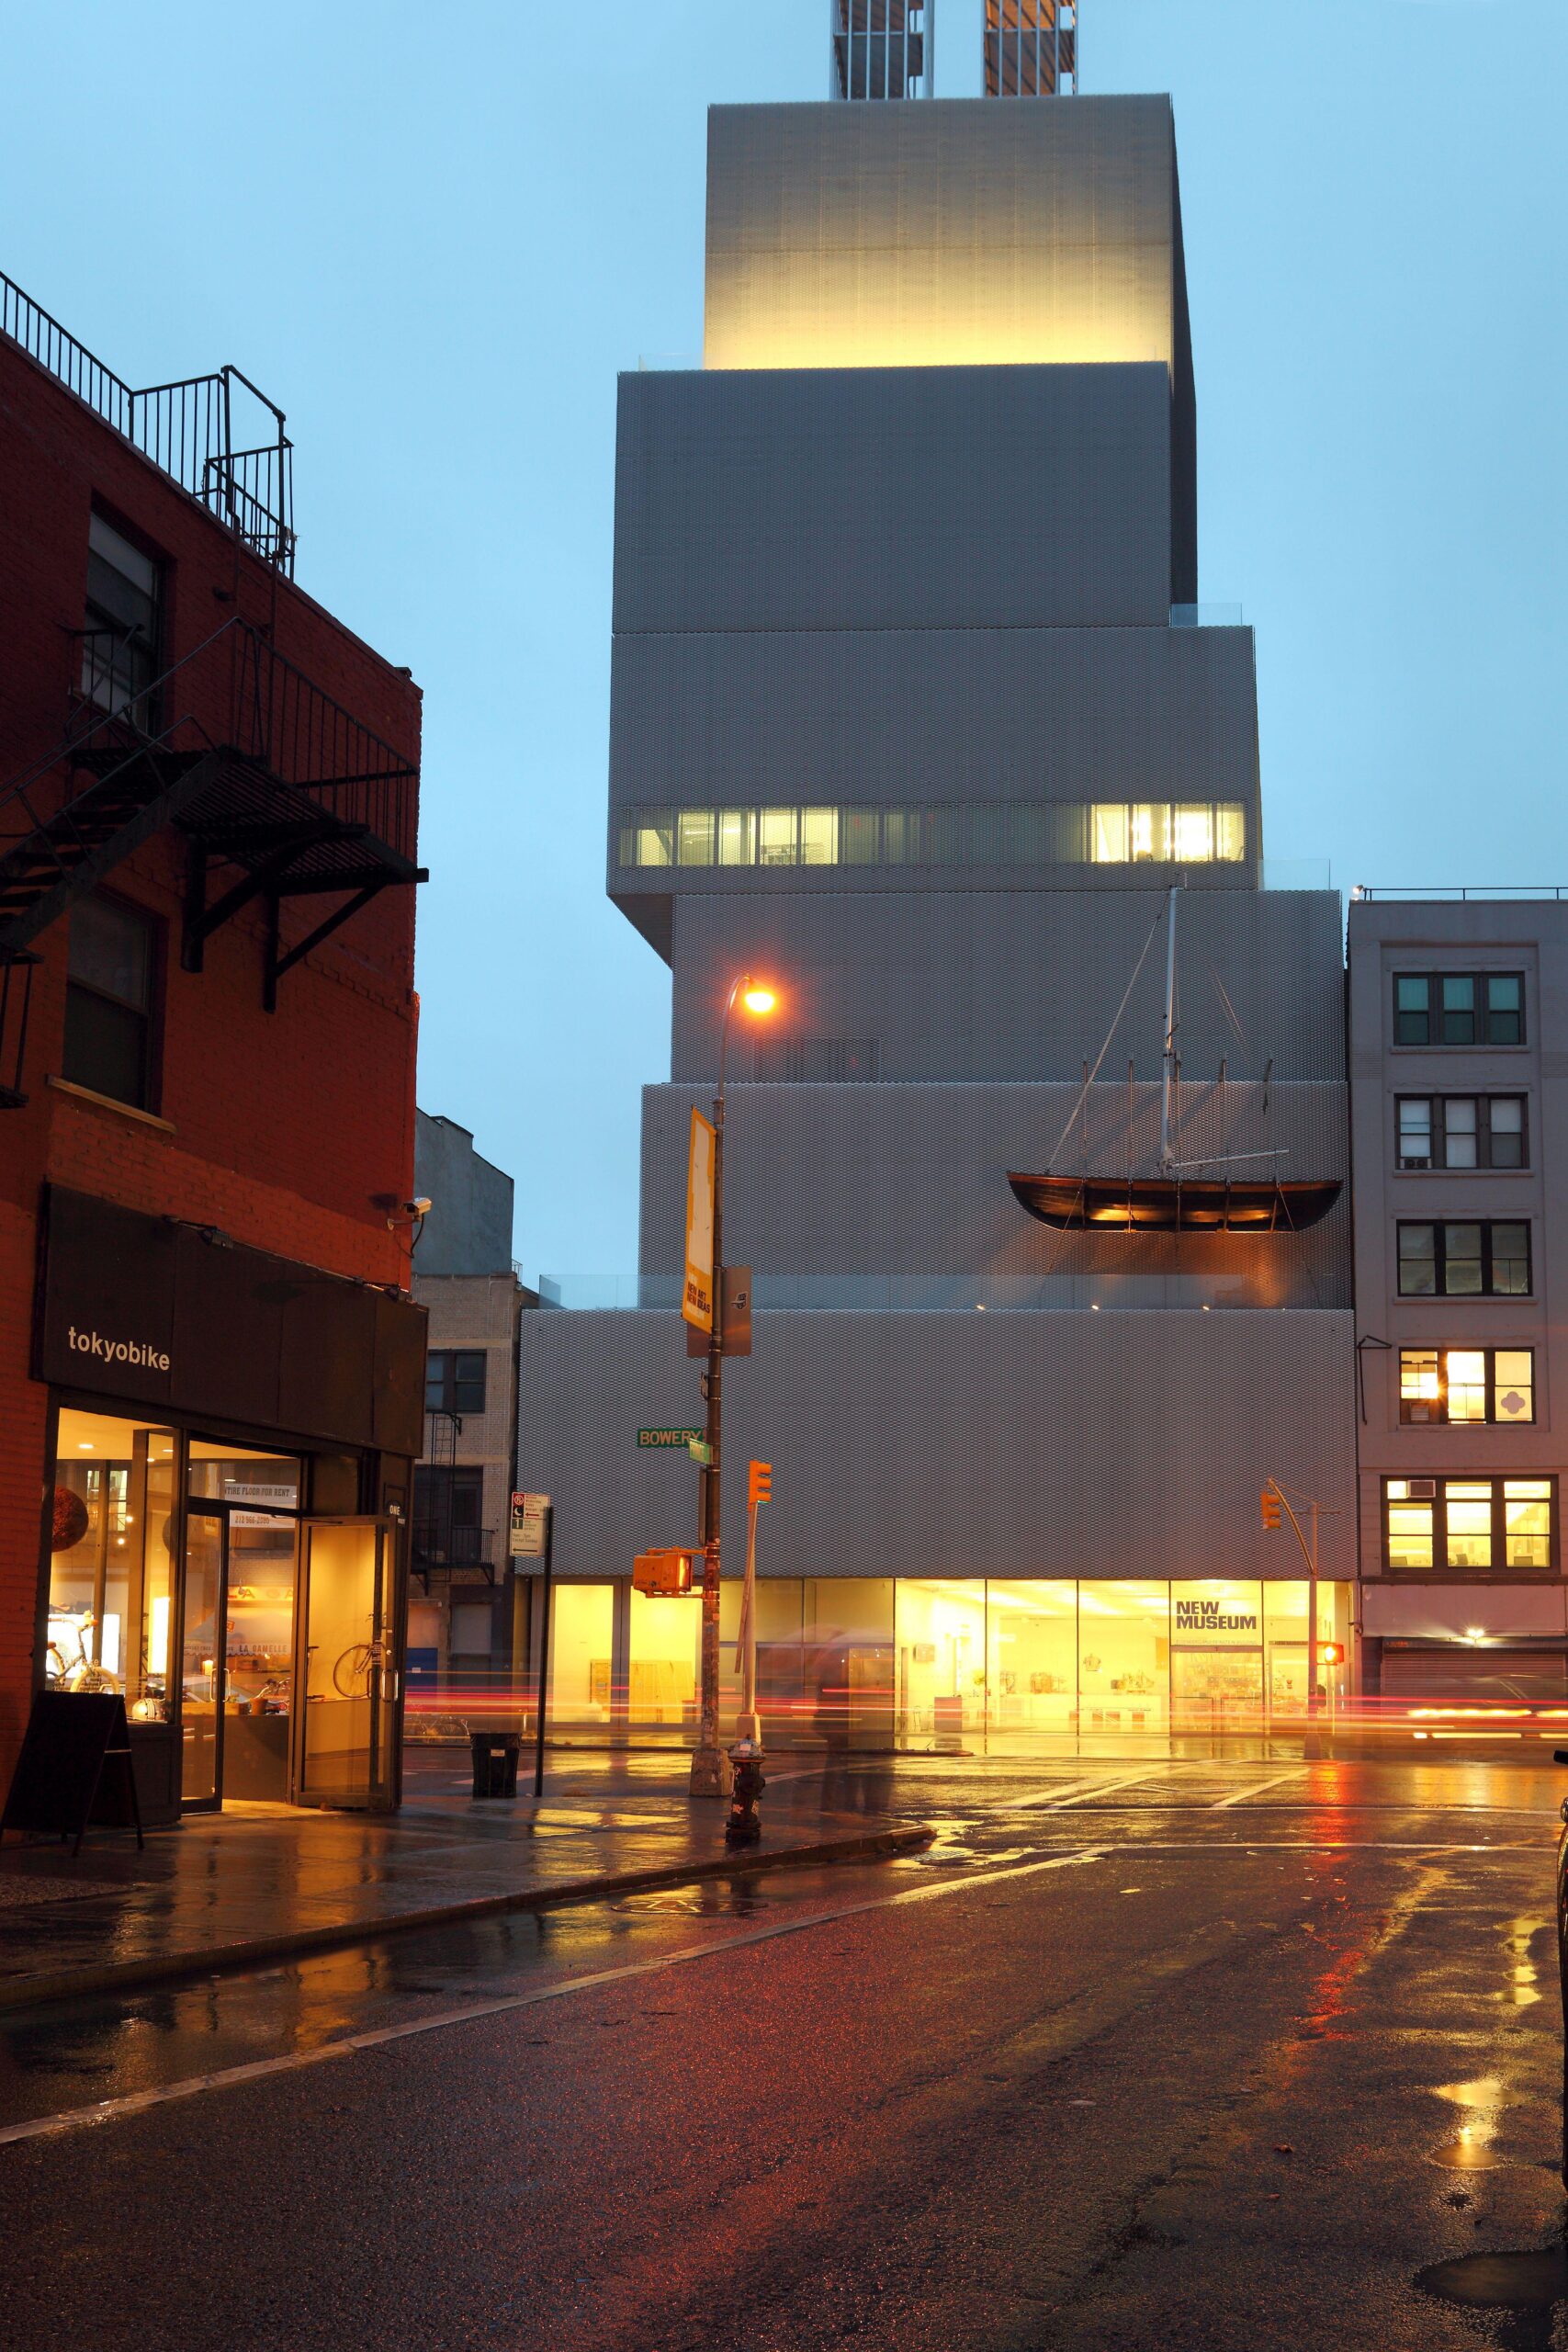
point(258, 1655)
point(348, 1711)
point(204, 1581)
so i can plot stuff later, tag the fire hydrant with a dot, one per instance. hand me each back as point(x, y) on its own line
point(744, 1826)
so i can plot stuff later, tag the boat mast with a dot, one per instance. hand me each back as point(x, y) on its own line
point(1167, 1156)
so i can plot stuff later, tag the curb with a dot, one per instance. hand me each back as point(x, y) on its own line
point(129, 1976)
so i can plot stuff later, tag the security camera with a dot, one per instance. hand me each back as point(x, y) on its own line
point(412, 1212)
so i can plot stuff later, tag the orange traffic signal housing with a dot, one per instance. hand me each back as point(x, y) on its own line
point(1270, 1502)
point(1332, 1653)
point(759, 1485)
point(664, 1574)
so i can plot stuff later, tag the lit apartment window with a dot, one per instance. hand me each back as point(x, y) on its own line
point(455, 1380)
point(1474, 1259)
point(1466, 1385)
point(1469, 1525)
point(1459, 1009)
point(108, 1002)
point(1462, 1131)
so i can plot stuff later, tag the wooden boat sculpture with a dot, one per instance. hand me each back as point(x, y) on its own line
point(1175, 1204)
point(1189, 1196)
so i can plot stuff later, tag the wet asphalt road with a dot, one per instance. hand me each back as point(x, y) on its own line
point(1139, 2057)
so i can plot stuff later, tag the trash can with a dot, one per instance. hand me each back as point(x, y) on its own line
point(495, 1762)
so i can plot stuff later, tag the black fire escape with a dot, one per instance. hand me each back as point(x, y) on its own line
point(444, 1535)
point(280, 794)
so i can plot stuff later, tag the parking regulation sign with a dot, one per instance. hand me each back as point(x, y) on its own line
point(530, 1520)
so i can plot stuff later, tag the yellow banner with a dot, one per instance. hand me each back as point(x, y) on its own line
point(697, 1303)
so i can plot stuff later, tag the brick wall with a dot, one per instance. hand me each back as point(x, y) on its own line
point(287, 1130)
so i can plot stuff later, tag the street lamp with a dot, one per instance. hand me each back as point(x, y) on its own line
point(710, 1766)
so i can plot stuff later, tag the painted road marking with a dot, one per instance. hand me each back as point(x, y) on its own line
point(1078, 1790)
point(230, 2077)
point(1242, 1795)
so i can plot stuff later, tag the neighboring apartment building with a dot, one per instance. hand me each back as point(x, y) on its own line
point(467, 1632)
point(1458, 1010)
point(915, 713)
point(210, 1362)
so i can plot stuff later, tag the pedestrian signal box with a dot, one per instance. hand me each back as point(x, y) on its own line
point(664, 1574)
point(1332, 1653)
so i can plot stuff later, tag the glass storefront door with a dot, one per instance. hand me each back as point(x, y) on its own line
point(258, 1655)
point(236, 1656)
point(346, 1720)
point(202, 1593)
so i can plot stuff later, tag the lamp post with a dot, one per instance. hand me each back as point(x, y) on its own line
point(710, 1766)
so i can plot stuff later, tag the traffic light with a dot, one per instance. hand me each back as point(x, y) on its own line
point(758, 1484)
point(1270, 1502)
point(664, 1574)
point(1332, 1653)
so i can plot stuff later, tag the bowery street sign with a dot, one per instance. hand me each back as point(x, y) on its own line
point(674, 1440)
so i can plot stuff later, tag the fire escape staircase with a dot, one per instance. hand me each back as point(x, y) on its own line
point(288, 796)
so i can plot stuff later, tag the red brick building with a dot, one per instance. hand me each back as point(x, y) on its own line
point(210, 1372)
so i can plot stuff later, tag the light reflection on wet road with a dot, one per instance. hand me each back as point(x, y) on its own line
point(1257, 2036)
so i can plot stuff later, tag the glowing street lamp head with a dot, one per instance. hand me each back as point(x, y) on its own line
point(758, 999)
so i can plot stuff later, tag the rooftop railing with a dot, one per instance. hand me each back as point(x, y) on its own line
point(218, 437)
point(1451, 893)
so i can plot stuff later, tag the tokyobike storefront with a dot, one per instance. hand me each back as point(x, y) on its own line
point(928, 1662)
point(230, 1451)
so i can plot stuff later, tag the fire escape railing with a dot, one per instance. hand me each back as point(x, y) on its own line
point(440, 1541)
point(260, 770)
point(256, 705)
point(193, 430)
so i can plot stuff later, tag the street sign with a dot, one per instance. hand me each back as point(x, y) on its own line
point(697, 1303)
point(701, 1450)
point(530, 1524)
point(665, 1441)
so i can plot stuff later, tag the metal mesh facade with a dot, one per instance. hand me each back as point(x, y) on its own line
point(980, 497)
point(959, 233)
point(918, 1190)
point(954, 1444)
point(1022, 985)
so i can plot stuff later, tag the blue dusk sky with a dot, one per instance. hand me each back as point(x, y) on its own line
point(434, 235)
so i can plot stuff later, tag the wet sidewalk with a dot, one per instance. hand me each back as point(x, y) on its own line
point(257, 1884)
